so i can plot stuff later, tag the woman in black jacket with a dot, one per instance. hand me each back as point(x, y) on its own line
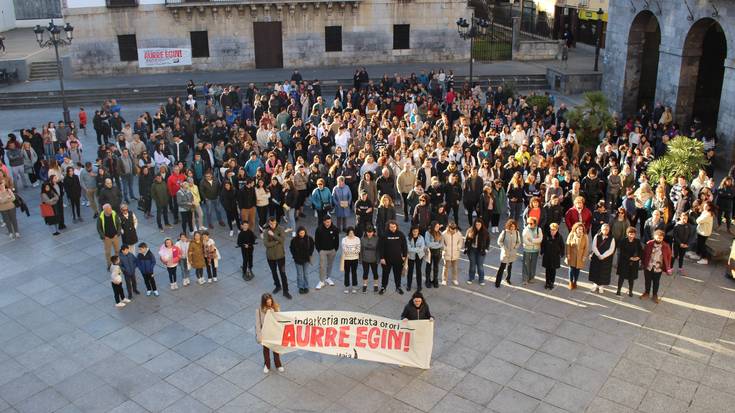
point(416, 309)
point(302, 248)
point(145, 181)
point(552, 249)
point(681, 234)
point(228, 199)
point(629, 260)
point(73, 190)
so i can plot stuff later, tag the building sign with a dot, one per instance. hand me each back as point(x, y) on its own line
point(161, 56)
point(351, 335)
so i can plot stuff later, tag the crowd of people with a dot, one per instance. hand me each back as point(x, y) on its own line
point(385, 167)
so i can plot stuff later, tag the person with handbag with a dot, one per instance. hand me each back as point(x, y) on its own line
point(321, 200)
point(267, 303)
point(49, 199)
point(7, 210)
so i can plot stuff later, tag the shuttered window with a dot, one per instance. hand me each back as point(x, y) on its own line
point(128, 46)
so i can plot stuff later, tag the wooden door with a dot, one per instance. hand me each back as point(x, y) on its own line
point(268, 45)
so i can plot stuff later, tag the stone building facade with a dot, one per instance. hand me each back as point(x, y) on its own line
point(241, 34)
point(677, 53)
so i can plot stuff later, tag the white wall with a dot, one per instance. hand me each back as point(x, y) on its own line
point(7, 15)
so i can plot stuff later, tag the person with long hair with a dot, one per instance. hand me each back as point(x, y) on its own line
point(515, 196)
point(656, 259)
point(195, 256)
point(704, 230)
point(267, 303)
point(476, 243)
point(552, 249)
point(386, 213)
point(724, 200)
point(350, 258)
point(369, 257)
point(51, 198)
point(576, 252)
point(170, 255)
point(509, 242)
point(630, 253)
point(416, 252)
point(7, 210)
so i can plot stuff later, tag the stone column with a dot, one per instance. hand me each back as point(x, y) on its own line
point(726, 117)
point(516, 42)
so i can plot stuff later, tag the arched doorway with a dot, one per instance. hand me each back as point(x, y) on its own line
point(641, 68)
point(702, 72)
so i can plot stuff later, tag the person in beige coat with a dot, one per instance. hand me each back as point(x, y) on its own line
point(577, 247)
point(267, 303)
point(404, 184)
point(453, 242)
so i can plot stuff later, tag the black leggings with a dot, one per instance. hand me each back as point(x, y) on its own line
point(432, 268)
point(702, 246)
point(199, 273)
point(171, 274)
point(117, 290)
point(232, 216)
point(678, 253)
point(262, 215)
point(350, 268)
point(211, 269)
point(409, 275)
point(630, 284)
point(406, 212)
point(186, 220)
point(150, 282)
point(366, 267)
point(247, 258)
point(76, 211)
point(499, 275)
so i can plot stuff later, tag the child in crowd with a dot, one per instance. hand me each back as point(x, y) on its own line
point(116, 278)
point(183, 246)
point(246, 242)
point(146, 265)
point(128, 264)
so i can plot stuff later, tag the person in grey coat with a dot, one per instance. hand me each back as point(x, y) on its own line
point(369, 257)
point(509, 241)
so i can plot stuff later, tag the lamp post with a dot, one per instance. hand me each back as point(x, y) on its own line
point(55, 40)
point(475, 27)
point(599, 36)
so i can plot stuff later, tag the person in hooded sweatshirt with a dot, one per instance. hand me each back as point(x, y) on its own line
point(417, 308)
point(392, 250)
point(147, 264)
point(128, 264)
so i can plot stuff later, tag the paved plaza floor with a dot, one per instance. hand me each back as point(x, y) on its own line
point(65, 348)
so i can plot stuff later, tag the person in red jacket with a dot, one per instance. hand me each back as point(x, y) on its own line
point(578, 213)
point(656, 259)
point(174, 184)
point(83, 120)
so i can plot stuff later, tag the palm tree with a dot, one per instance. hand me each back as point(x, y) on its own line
point(591, 118)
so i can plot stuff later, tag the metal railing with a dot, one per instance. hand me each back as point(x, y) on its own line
point(534, 23)
point(248, 2)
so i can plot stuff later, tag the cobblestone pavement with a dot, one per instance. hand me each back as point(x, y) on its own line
point(64, 347)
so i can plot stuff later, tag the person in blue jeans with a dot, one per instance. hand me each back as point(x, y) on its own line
point(531, 238)
point(302, 248)
point(476, 243)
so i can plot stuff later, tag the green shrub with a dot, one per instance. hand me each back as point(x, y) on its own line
point(540, 101)
point(684, 156)
point(590, 118)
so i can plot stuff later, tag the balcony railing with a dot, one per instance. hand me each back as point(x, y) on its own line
point(250, 2)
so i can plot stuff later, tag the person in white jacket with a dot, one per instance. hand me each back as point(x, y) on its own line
point(350, 257)
point(532, 238)
point(453, 242)
point(705, 221)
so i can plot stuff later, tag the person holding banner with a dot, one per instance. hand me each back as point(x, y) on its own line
point(416, 309)
point(392, 250)
point(267, 303)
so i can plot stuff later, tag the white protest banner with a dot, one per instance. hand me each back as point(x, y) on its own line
point(163, 56)
point(351, 335)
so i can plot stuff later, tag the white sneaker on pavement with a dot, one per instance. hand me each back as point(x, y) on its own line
point(265, 369)
point(330, 282)
point(120, 304)
point(703, 261)
point(319, 285)
point(126, 300)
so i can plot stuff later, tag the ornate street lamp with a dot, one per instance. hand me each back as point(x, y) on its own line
point(55, 40)
point(598, 44)
point(474, 28)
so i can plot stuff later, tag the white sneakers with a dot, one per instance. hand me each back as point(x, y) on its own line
point(443, 283)
point(347, 290)
point(120, 304)
point(266, 369)
point(455, 282)
point(469, 282)
point(185, 282)
point(209, 281)
point(703, 261)
point(200, 281)
point(126, 300)
point(215, 279)
point(330, 282)
point(232, 232)
point(319, 285)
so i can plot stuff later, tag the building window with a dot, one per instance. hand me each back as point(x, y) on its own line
point(128, 47)
point(122, 3)
point(199, 44)
point(401, 36)
point(333, 39)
